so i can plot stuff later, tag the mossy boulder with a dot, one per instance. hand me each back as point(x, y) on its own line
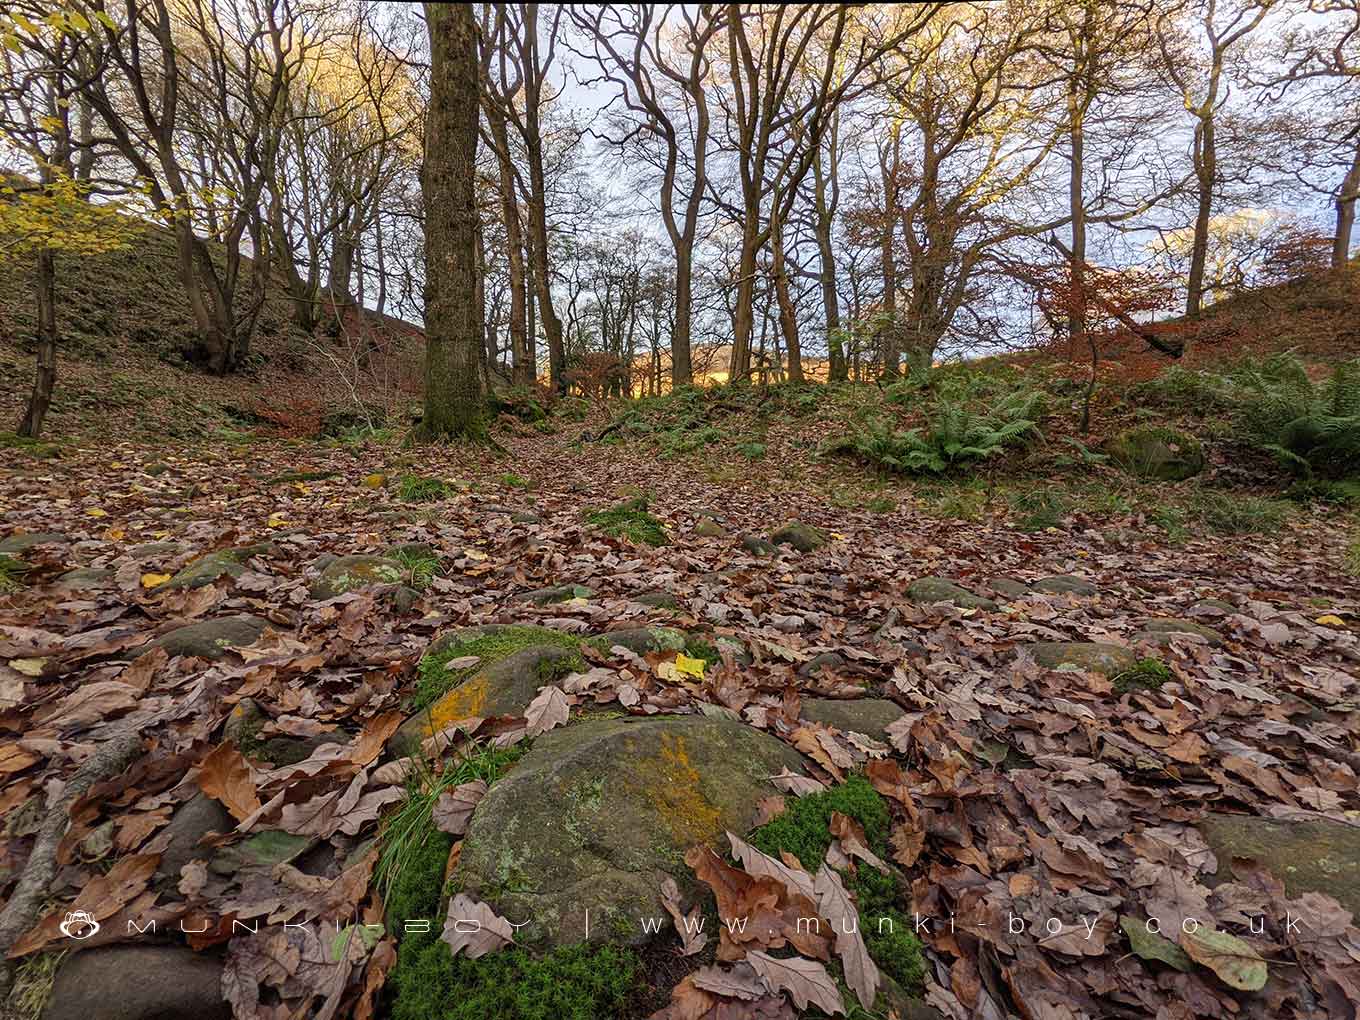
point(27, 540)
point(555, 594)
point(758, 546)
point(930, 590)
point(641, 640)
point(708, 528)
point(1154, 451)
point(657, 599)
point(212, 639)
point(352, 573)
point(498, 685)
point(1064, 584)
point(1093, 656)
point(1161, 631)
point(870, 716)
point(214, 566)
point(803, 537)
point(597, 815)
point(1307, 855)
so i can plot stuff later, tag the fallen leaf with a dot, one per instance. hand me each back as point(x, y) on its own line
point(453, 809)
point(550, 708)
point(226, 777)
point(474, 928)
point(806, 981)
point(154, 580)
point(1236, 963)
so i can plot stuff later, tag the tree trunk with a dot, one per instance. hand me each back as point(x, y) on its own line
point(1076, 312)
point(1199, 248)
point(523, 370)
point(788, 315)
point(743, 319)
point(453, 320)
point(831, 309)
point(45, 378)
point(1345, 213)
point(682, 358)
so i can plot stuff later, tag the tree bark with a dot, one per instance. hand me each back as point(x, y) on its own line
point(826, 213)
point(523, 369)
point(453, 319)
point(1345, 213)
point(1206, 174)
point(45, 378)
point(788, 315)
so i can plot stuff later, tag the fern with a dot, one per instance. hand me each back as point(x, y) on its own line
point(1306, 427)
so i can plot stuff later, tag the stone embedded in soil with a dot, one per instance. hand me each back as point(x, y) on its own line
point(1306, 854)
point(657, 600)
point(1008, 587)
point(596, 816)
point(1163, 630)
point(156, 550)
point(1151, 451)
point(870, 716)
point(136, 982)
point(214, 566)
point(192, 820)
point(940, 589)
point(526, 517)
point(1064, 584)
point(85, 578)
point(641, 640)
point(803, 537)
point(557, 593)
point(262, 850)
point(707, 528)
point(503, 687)
point(351, 573)
point(211, 639)
point(1092, 656)
point(758, 546)
point(27, 540)
point(830, 662)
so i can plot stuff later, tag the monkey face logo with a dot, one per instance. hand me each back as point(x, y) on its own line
point(79, 925)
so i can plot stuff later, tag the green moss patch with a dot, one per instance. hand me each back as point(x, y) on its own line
point(11, 574)
point(804, 831)
point(629, 520)
point(415, 489)
point(1143, 675)
point(435, 678)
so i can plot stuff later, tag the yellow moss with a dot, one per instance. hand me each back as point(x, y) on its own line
point(463, 702)
point(674, 792)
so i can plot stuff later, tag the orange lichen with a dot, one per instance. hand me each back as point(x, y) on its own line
point(674, 792)
point(463, 702)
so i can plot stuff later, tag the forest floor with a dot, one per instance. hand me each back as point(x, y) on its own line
point(1027, 781)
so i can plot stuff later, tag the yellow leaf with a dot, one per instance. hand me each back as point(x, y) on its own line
point(28, 667)
point(117, 464)
point(1330, 621)
point(277, 521)
point(374, 481)
point(690, 667)
point(114, 535)
point(154, 580)
point(473, 554)
point(838, 536)
point(96, 512)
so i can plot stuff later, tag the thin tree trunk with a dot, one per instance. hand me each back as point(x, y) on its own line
point(45, 378)
point(1076, 313)
point(788, 316)
point(1345, 213)
point(523, 370)
point(453, 319)
point(1199, 249)
point(831, 309)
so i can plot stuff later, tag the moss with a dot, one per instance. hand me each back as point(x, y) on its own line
point(804, 829)
point(698, 648)
point(579, 982)
point(11, 574)
point(1143, 675)
point(515, 481)
point(415, 489)
point(436, 679)
point(888, 933)
point(629, 520)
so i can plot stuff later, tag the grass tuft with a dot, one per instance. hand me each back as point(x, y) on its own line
point(1143, 675)
point(630, 521)
point(12, 573)
point(415, 489)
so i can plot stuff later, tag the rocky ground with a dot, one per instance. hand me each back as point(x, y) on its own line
point(1102, 775)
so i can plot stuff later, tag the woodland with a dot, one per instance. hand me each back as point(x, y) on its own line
point(679, 511)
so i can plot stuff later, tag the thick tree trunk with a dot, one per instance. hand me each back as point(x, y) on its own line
point(1199, 246)
point(45, 378)
point(788, 315)
point(682, 358)
point(453, 320)
point(1345, 213)
point(743, 319)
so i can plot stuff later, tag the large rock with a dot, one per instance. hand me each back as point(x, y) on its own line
point(870, 716)
point(1092, 656)
point(1307, 855)
point(192, 820)
point(598, 814)
point(211, 639)
point(941, 589)
point(1152, 451)
point(758, 546)
point(228, 563)
point(504, 687)
point(803, 537)
point(351, 573)
point(133, 982)
point(27, 540)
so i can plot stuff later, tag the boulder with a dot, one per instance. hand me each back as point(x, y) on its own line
point(351, 573)
point(657, 600)
point(214, 566)
point(210, 639)
point(557, 593)
point(641, 640)
point(192, 820)
point(707, 528)
point(503, 687)
point(940, 589)
point(1160, 631)
point(803, 537)
point(155, 550)
point(1306, 854)
point(1009, 587)
point(870, 716)
point(1092, 656)
point(1064, 584)
point(758, 546)
point(598, 814)
point(1152, 451)
point(138, 982)
point(27, 540)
